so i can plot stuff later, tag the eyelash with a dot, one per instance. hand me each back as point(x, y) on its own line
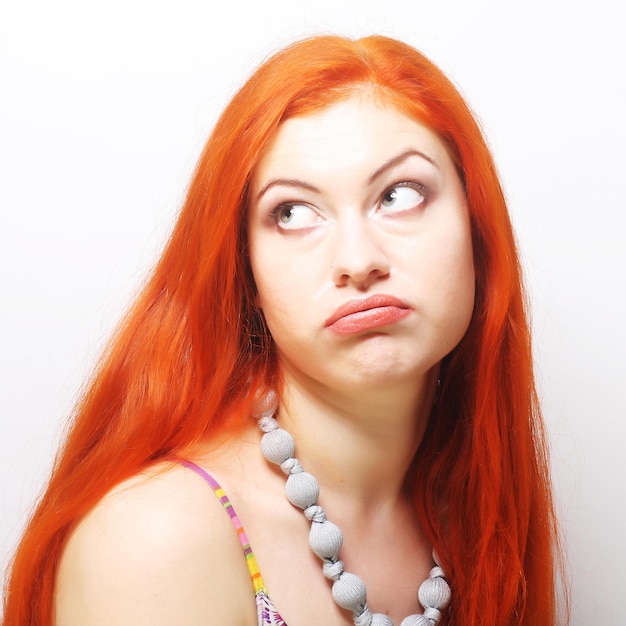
point(273, 215)
point(406, 183)
point(419, 187)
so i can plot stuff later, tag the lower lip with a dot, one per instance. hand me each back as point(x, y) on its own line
point(368, 320)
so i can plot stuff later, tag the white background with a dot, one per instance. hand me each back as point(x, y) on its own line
point(104, 108)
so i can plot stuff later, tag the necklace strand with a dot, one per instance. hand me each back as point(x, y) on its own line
point(325, 538)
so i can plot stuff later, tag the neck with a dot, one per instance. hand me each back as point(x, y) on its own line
point(358, 445)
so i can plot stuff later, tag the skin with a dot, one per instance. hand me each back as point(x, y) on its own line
point(336, 238)
point(354, 201)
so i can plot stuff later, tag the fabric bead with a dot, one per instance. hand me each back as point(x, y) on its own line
point(432, 614)
point(349, 592)
point(436, 558)
point(267, 424)
point(315, 513)
point(364, 619)
point(291, 466)
point(434, 593)
point(302, 490)
point(325, 539)
point(379, 619)
point(332, 569)
point(266, 404)
point(415, 620)
point(277, 446)
point(437, 572)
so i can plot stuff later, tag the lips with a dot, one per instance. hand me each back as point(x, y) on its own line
point(364, 314)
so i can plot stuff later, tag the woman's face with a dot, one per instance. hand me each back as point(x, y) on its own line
point(360, 247)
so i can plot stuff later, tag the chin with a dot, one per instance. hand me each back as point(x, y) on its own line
point(383, 374)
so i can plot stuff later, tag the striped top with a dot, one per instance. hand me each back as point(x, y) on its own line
point(266, 611)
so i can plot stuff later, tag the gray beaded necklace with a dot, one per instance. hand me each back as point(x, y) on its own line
point(325, 538)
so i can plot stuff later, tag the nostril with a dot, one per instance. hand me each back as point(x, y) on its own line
point(360, 280)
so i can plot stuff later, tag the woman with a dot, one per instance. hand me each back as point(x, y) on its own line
point(344, 263)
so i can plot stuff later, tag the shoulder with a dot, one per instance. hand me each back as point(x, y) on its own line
point(158, 549)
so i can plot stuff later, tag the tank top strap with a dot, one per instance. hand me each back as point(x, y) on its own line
point(253, 568)
point(267, 614)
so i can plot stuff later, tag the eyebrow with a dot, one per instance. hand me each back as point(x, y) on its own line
point(287, 182)
point(295, 182)
point(397, 160)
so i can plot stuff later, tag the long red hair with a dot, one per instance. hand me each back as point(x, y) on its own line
point(192, 350)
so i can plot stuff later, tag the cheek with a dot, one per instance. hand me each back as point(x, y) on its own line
point(265, 267)
point(263, 272)
point(461, 261)
point(463, 283)
point(277, 287)
point(452, 277)
point(287, 277)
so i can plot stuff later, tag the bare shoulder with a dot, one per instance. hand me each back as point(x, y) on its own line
point(159, 549)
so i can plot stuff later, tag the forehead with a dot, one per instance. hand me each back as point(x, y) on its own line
point(359, 132)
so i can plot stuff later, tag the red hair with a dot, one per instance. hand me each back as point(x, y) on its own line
point(183, 364)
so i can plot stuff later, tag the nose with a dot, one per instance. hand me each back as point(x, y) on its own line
point(359, 257)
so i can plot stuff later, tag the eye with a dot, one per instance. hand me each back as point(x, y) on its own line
point(295, 216)
point(403, 197)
